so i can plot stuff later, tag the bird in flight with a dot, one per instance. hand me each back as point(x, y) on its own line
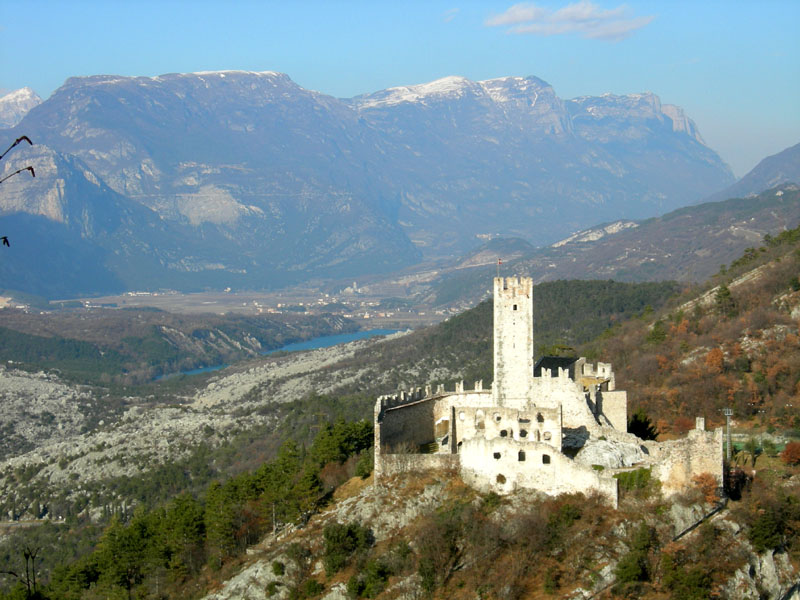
point(23, 138)
point(4, 239)
point(17, 172)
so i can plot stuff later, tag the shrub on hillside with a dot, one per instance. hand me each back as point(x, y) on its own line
point(706, 484)
point(633, 480)
point(791, 453)
point(341, 542)
point(765, 532)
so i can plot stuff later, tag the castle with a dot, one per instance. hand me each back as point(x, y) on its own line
point(559, 426)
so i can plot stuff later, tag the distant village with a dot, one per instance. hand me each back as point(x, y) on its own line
point(362, 304)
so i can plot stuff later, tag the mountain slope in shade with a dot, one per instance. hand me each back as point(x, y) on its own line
point(780, 168)
point(15, 105)
point(689, 244)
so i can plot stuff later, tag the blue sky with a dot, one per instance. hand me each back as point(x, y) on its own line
point(734, 66)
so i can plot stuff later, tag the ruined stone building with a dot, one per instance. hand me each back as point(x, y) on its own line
point(558, 426)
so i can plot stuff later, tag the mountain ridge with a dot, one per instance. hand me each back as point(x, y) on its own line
point(288, 184)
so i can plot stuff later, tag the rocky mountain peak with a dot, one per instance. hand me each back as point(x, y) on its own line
point(447, 87)
point(280, 183)
point(15, 105)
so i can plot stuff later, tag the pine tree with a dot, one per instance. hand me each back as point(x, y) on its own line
point(724, 303)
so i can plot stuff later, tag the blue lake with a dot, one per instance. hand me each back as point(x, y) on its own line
point(325, 341)
point(332, 340)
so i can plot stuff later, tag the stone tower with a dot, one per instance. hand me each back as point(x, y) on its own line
point(513, 340)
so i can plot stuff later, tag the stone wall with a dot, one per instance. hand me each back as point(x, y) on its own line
point(533, 424)
point(387, 465)
point(614, 405)
point(675, 462)
point(503, 465)
point(405, 425)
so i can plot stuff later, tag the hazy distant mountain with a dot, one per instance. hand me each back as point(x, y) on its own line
point(688, 244)
point(249, 180)
point(15, 105)
point(780, 168)
point(508, 156)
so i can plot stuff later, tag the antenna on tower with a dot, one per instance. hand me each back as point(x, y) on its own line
point(728, 412)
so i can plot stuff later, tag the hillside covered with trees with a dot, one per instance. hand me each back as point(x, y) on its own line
point(677, 352)
point(734, 343)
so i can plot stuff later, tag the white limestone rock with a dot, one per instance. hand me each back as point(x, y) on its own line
point(770, 573)
point(685, 516)
point(610, 454)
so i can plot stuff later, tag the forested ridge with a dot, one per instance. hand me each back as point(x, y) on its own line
point(565, 313)
point(168, 544)
point(188, 523)
point(131, 347)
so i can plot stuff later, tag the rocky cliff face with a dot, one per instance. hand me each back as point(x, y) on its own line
point(261, 182)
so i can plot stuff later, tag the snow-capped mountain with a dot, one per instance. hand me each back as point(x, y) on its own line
point(262, 182)
point(15, 105)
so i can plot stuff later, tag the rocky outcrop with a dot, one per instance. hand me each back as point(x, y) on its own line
point(767, 575)
point(610, 454)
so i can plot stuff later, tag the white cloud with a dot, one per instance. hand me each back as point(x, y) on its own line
point(449, 15)
point(519, 13)
point(583, 18)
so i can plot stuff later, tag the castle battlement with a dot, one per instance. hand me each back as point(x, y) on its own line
point(537, 427)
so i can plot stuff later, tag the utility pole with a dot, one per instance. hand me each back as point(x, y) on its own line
point(728, 412)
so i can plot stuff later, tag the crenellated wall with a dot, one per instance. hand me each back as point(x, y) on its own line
point(522, 432)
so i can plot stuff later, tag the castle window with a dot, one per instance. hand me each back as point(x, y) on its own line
point(496, 456)
point(523, 433)
point(523, 420)
point(501, 478)
point(497, 417)
point(503, 433)
point(458, 448)
point(547, 435)
point(539, 418)
point(545, 459)
point(515, 307)
point(521, 456)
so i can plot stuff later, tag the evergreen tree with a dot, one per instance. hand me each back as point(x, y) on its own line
point(641, 426)
point(724, 303)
